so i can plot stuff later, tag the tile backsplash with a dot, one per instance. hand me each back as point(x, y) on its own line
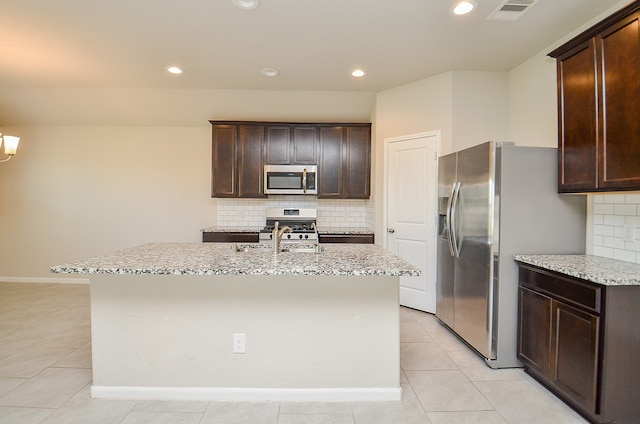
point(331, 213)
point(616, 226)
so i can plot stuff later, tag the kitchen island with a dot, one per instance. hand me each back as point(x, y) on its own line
point(166, 319)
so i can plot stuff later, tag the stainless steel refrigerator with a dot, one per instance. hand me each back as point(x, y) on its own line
point(497, 200)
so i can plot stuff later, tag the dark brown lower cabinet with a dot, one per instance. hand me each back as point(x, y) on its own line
point(229, 237)
point(582, 341)
point(574, 340)
point(535, 341)
point(346, 238)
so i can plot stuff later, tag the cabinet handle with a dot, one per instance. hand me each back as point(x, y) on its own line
point(304, 180)
point(391, 230)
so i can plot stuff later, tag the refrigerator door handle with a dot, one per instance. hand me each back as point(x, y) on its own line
point(454, 217)
point(448, 220)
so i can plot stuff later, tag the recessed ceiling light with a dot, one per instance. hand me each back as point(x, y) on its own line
point(358, 73)
point(246, 4)
point(270, 72)
point(463, 7)
point(174, 70)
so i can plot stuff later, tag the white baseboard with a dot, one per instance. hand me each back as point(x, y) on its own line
point(235, 394)
point(43, 280)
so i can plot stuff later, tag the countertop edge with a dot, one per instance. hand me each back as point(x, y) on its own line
point(324, 231)
point(220, 259)
point(595, 269)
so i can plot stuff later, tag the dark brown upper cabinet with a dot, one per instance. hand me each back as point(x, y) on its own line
point(599, 106)
point(357, 163)
point(344, 162)
point(236, 162)
point(291, 144)
point(330, 168)
point(241, 149)
point(224, 150)
point(250, 147)
point(305, 145)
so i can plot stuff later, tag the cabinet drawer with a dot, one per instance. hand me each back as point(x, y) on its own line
point(569, 290)
point(346, 238)
point(229, 237)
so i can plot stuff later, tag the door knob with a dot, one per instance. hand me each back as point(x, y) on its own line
point(391, 230)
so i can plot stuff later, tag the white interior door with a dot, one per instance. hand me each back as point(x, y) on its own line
point(411, 193)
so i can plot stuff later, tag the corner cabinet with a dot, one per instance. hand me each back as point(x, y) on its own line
point(241, 149)
point(599, 106)
point(582, 340)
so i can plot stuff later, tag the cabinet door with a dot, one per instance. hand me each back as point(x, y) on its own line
point(534, 330)
point(278, 138)
point(575, 348)
point(577, 119)
point(357, 163)
point(619, 150)
point(250, 175)
point(305, 145)
point(329, 177)
point(223, 161)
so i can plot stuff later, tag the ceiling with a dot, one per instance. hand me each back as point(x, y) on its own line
point(51, 51)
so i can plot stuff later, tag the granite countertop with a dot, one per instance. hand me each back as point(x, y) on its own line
point(599, 270)
point(221, 259)
point(232, 229)
point(332, 230)
point(344, 230)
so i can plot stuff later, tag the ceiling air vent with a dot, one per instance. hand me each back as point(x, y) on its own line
point(511, 10)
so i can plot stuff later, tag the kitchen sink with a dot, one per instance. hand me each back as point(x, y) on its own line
point(286, 248)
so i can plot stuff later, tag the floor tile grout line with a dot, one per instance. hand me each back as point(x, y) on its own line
point(427, 322)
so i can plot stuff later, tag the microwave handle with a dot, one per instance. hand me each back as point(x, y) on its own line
point(304, 180)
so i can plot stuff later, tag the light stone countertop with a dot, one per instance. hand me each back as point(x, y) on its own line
point(344, 230)
point(221, 259)
point(231, 229)
point(599, 270)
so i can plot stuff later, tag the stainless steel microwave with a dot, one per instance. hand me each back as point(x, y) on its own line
point(290, 179)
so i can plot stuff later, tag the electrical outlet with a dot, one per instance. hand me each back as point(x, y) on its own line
point(239, 342)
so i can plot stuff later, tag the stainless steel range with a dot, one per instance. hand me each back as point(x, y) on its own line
point(302, 222)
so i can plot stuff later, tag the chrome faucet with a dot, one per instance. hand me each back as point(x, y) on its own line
point(277, 236)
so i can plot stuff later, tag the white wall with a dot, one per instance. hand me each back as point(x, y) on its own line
point(74, 192)
point(533, 121)
point(467, 107)
point(532, 103)
point(480, 108)
point(409, 109)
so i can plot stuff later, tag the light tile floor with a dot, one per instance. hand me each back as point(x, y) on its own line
point(45, 375)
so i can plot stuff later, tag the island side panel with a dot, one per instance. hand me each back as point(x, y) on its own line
point(302, 332)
